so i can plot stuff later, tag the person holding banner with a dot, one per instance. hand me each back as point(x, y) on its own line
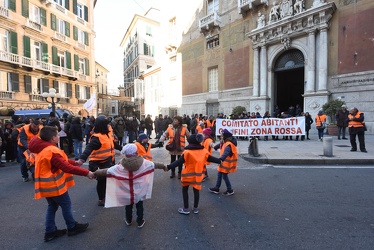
point(320, 124)
point(229, 158)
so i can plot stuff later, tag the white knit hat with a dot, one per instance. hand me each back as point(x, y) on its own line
point(129, 150)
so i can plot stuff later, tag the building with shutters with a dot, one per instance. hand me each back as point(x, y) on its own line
point(47, 44)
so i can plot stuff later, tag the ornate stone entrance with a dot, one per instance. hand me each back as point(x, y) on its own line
point(289, 80)
point(304, 30)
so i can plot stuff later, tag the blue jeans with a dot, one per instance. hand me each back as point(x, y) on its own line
point(320, 132)
point(225, 177)
point(77, 148)
point(24, 170)
point(53, 203)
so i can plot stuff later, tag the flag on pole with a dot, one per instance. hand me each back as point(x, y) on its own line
point(90, 103)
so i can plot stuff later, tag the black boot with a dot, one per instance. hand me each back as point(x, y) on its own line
point(172, 175)
point(78, 228)
point(55, 234)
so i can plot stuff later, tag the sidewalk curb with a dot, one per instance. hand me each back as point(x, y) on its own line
point(323, 160)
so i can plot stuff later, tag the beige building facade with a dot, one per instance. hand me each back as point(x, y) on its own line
point(47, 44)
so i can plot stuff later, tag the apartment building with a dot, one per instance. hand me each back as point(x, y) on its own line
point(47, 44)
point(140, 44)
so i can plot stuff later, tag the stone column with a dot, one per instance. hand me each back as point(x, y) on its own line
point(311, 67)
point(322, 78)
point(263, 70)
point(256, 63)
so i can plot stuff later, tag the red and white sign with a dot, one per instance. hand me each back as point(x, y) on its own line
point(263, 126)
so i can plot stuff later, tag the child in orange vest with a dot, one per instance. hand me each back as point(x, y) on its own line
point(144, 147)
point(208, 144)
point(193, 158)
point(229, 158)
point(53, 177)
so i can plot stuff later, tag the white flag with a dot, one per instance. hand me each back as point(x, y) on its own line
point(90, 103)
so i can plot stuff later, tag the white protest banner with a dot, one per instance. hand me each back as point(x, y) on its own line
point(263, 126)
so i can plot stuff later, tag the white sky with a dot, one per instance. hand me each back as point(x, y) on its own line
point(112, 18)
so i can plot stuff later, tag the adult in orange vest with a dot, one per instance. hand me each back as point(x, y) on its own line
point(101, 150)
point(208, 144)
point(356, 126)
point(229, 158)
point(320, 124)
point(211, 123)
point(27, 133)
point(53, 177)
point(177, 133)
point(200, 127)
point(144, 146)
point(193, 158)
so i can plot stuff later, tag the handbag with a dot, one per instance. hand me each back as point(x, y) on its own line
point(171, 146)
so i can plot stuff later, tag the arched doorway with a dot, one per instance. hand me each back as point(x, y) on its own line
point(289, 80)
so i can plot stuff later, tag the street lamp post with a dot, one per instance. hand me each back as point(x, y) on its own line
point(52, 94)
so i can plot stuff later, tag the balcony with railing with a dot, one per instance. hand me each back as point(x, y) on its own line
point(64, 100)
point(81, 45)
point(60, 36)
point(34, 25)
point(245, 5)
point(37, 64)
point(80, 20)
point(36, 97)
point(59, 7)
point(6, 95)
point(4, 12)
point(210, 21)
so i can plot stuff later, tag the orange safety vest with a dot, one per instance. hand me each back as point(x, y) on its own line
point(355, 124)
point(210, 123)
point(28, 133)
point(182, 137)
point(194, 161)
point(107, 148)
point(206, 144)
point(199, 129)
point(141, 151)
point(48, 184)
point(230, 163)
point(320, 119)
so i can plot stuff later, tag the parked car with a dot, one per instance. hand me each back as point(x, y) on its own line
point(39, 113)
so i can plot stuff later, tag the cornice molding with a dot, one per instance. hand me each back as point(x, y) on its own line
point(311, 20)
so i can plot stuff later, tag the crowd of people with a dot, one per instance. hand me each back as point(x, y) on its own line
point(44, 147)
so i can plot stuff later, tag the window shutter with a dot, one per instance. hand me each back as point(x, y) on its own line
point(53, 22)
point(145, 52)
point(12, 5)
point(44, 52)
point(14, 79)
point(67, 29)
point(43, 17)
point(88, 94)
point(76, 62)
point(45, 85)
point(69, 89)
point(25, 8)
point(26, 47)
point(13, 42)
point(75, 5)
point(68, 60)
point(77, 91)
point(54, 55)
point(55, 85)
point(27, 80)
point(67, 4)
point(87, 64)
point(86, 41)
point(86, 13)
point(75, 33)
